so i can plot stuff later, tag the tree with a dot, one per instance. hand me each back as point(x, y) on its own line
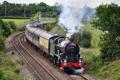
point(26, 10)
point(12, 25)
point(6, 29)
point(1, 35)
point(84, 37)
point(108, 20)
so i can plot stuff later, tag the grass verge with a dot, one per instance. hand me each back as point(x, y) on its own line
point(8, 70)
point(95, 67)
point(18, 22)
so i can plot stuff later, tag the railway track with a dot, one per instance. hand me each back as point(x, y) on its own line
point(38, 69)
point(40, 72)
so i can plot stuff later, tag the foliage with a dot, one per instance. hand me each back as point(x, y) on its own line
point(96, 37)
point(109, 71)
point(17, 70)
point(38, 17)
point(26, 10)
point(110, 48)
point(17, 22)
point(8, 75)
point(21, 62)
point(5, 27)
point(1, 40)
point(49, 26)
point(88, 37)
point(108, 20)
point(94, 65)
point(84, 38)
point(58, 30)
point(12, 25)
point(8, 70)
point(1, 34)
point(7, 30)
point(14, 17)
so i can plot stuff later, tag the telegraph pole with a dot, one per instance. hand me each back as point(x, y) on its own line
point(24, 11)
point(39, 16)
point(5, 10)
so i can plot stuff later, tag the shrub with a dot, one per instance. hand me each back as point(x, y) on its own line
point(49, 27)
point(17, 70)
point(21, 62)
point(12, 25)
point(88, 37)
point(1, 73)
point(110, 48)
point(84, 38)
point(13, 17)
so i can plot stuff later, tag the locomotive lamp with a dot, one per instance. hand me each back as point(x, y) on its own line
point(65, 62)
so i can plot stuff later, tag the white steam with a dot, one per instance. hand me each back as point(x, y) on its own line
point(70, 18)
point(74, 11)
point(72, 15)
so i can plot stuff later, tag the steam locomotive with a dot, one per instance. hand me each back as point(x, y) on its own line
point(67, 58)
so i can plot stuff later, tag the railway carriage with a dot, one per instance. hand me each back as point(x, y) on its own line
point(67, 59)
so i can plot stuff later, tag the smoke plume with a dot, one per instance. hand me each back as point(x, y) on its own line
point(72, 15)
point(74, 12)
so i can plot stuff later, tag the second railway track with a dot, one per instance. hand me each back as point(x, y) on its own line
point(40, 72)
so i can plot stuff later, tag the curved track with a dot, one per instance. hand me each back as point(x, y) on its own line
point(38, 69)
point(40, 72)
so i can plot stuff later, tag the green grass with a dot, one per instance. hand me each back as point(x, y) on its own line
point(21, 22)
point(18, 22)
point(48, 19)
point(92, 51)
point(8, 70)
point(110, 71)
point(106, 71)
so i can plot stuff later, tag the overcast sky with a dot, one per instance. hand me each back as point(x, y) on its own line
point(92, 3)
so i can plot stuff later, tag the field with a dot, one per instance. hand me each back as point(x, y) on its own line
point(19, 22)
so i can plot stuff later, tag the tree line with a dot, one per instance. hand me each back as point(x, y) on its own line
point(27, 10)
point(108, 20)
point(6, 29)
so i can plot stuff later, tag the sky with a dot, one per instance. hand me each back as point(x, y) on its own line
point(91, 3)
